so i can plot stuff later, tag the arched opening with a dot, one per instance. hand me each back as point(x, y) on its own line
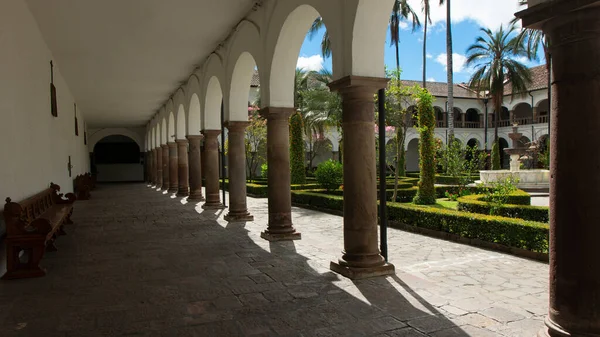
point(194, 120)
point(180, 123)
point(503, 118)
point(543, 111)
point(504, 157)
point(439, 117)
point(117, 158)
point(472, 144)
point(171, 134)
point(413, 117)
point(472, 118)
point(523, 114)
point(457, 118)
point(241, 83)
point(412, 155)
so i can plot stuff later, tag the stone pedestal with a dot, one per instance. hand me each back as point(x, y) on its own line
point(361, 256)
point(515, 163)
point(238, 209)
point(165, 167)
point(279, 180)
point(574, 32)
point(182, 168)
point(195, 170)
point(173, 174)
point(211, 149)
point(159, 165)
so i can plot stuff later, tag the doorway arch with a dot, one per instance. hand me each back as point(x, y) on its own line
point(117, 158)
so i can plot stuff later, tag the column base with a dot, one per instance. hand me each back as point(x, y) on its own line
point(196, 197)
point(213, 206)
point(280, 236)
point(239, 217)
point(172, 190)
point(183, 194)
point(355, 273)
point(552, 329)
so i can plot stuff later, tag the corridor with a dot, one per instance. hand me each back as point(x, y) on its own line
point(137, 262)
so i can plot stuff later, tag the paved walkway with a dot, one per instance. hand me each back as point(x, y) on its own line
point(140, 263)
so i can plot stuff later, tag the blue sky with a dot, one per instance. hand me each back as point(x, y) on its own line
point(465, 29)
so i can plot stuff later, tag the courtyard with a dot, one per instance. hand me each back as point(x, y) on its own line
point(140, 262)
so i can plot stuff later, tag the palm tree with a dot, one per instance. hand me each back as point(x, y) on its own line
point(492, 57)
point(450, 70)
point(300, 85)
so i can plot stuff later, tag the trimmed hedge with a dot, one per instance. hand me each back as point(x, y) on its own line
point(475, 204)
point(261, 191)
point(508, 232)
point(445, 179)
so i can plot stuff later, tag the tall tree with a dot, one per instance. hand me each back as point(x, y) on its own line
point(427, 11)
point(450, 71)
point(493, 58)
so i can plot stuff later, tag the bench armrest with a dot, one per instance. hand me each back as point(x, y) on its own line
point(39, 226)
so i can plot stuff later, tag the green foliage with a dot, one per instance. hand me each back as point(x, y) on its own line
point(496, 156)
point(477, 204)
point(264, 170)
point(330, 175)
point(501, 190)
point(426, 193)
point(256, 143)
point(298, 174)
point(545, 155)
point(509, 232)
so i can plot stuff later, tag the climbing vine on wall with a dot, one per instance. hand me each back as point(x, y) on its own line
point(426, 193)
point(298, 173)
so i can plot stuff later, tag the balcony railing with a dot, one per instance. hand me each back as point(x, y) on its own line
point(478, 125)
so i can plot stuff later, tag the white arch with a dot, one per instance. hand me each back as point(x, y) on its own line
point(103, 133)
point(171, 134)
point(285, 56)
point(163, 132)
point(240, 88)
point(180, 130)
point(368, 38)
point(194, 116)
point(212, 105)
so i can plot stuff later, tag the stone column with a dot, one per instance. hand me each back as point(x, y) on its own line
point(211, 149)
point(335, 155)
point(236, 159)
point(159, 166)
point(574, 32)
point(511, 116)
point(463, 120)
point(195, 169)
point(183, 189)
point(150, 166)
point(165, 167)
point(173, 162)
point(279, 180)
point(535, 115)
point(361, 256)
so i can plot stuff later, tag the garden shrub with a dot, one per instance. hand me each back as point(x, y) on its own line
point(476, 204)
point(330, 175)
point(298, 173)
point(426, 193)
point(264, 170)
point(509, 232)
point(496, 156)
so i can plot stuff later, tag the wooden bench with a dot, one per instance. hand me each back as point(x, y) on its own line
point(82, 185)
point(32, 226)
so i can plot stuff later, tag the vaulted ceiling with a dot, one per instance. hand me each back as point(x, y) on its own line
point(123, 58)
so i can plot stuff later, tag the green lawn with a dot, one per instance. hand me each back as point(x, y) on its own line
point(446, 203)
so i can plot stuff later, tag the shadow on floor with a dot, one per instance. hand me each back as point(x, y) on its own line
point(138, 262)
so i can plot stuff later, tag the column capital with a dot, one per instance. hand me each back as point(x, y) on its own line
point(358, 83)
point(193, 137)
point(211, 133)
point(236, 126)
point(171, 144)
point(181, 141)
point(275, 113)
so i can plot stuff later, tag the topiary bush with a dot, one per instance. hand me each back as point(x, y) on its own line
point(298, 174)
point(330, 175)
point(426, 193)
point(496, 156)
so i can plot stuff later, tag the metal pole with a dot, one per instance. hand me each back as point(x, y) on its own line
point(382, 178)
point(223, 152)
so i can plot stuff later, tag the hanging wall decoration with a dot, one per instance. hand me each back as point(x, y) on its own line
point(53, 103)
point(76, 124)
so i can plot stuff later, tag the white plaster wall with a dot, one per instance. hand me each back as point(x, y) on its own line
point(34, 145)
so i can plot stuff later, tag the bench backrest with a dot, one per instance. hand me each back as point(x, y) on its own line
point(18, 215)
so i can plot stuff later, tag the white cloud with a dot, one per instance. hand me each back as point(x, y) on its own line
point(487, 13)
point(403, 25)
point(429, 56)
point(458, 62)
point(310, 63)
point(430, 79)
